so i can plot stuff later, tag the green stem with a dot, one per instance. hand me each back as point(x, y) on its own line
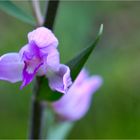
point(37, 108)
point(37, 112)
point(37, 12)
point(51, 14)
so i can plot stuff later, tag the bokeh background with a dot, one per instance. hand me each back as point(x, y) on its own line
point(115, 110)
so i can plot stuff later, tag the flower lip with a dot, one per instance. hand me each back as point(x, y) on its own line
point(28, 76)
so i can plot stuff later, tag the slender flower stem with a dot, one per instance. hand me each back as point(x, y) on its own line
point(51, 14)
point(37, 108)
point(37, 112)
point(37, 12)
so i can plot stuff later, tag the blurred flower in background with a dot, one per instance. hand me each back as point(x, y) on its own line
point(74, 105)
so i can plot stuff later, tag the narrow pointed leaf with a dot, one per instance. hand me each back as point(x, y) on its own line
point(76, 64)
point(13, 10)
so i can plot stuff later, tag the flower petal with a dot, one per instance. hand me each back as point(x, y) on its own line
point(74, 105)
point(29, 51)
point(11, 67)
point(50, 63)
point(43, 37)
point(60, 80)
point(81, 77)
point(53, 60)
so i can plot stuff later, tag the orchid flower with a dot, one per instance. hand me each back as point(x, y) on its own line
point(74, 105)
point(39, 57)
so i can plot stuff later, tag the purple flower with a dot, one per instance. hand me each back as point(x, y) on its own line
point(74, 105)
point(39, 57)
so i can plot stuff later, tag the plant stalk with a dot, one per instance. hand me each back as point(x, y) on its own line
point(36, 112)
point(51, 14)
point(37, 107)
point(37, 12)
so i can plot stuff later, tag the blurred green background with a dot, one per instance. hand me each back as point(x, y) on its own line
point(115, 110)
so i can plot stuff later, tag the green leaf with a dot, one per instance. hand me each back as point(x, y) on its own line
point(53, 128)
point(11, 9)
point(60, 130)
point(46, 93)
point(76, 64)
